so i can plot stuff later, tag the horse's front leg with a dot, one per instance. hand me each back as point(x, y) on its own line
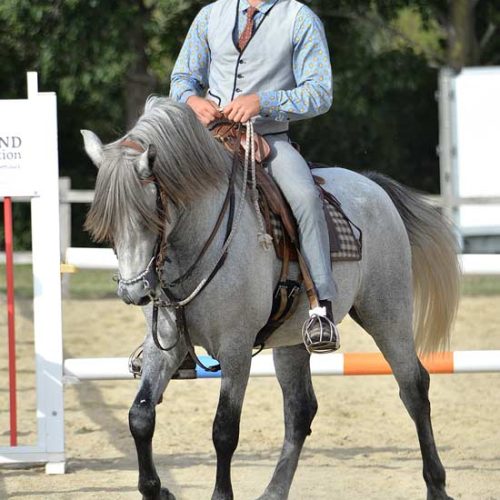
point(235, 366)
point(158, 368)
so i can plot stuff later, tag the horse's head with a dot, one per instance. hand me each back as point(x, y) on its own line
point(127, 210)
point(128, 213)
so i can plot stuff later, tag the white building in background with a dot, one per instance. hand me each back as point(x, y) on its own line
point(470, 155)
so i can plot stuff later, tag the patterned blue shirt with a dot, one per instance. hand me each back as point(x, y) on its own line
point(311, 66)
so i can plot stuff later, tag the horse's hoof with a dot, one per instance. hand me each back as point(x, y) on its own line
point(273, 495)
point(166, 495)
point(442, 495)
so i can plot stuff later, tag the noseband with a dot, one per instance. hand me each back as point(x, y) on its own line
point(145, 276)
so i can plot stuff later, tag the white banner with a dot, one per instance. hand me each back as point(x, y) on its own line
point(477, 136)
point(28, 144)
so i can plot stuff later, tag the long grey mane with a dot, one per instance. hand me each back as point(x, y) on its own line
point(188, 163)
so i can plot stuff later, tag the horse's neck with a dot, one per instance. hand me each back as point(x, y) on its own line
point(194, 227)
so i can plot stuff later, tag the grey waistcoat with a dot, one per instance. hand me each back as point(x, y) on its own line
point(265, 64)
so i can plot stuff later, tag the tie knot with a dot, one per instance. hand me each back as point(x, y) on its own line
point(251, 12)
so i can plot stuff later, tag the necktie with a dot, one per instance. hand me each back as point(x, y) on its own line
point(246, 34)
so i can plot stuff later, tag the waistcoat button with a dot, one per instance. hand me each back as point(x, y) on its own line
point(238, 90)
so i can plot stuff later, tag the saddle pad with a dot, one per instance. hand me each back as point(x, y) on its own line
point(345, 237)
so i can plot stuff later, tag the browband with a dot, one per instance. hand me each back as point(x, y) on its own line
point(129, 143)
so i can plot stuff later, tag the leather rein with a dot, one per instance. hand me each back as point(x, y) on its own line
point(159, 258)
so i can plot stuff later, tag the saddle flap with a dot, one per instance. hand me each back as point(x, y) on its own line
point(345, 237)
point(277, 203)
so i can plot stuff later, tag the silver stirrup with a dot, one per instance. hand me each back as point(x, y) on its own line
point(326, 335)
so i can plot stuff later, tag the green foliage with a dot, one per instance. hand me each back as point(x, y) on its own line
point(423, 37)
point(21, 226)
point(488, 26)
point(385, 54)
point(384, 115)
point(83, 284)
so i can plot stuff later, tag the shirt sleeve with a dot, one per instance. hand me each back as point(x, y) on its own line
point(190, 73)
point(312, 69)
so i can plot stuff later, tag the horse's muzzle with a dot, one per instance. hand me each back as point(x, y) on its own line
point(138, 294)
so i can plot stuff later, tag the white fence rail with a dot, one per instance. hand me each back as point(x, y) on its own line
point(104, 258)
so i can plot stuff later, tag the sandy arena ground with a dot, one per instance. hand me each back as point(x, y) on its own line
point(363, 444)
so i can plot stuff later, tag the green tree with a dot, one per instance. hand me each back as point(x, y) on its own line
point(104, 58)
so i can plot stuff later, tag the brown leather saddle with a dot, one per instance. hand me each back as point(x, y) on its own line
point(345, 236)
point(226, 132)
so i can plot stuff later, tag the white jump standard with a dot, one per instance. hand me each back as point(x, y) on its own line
point(34, 173)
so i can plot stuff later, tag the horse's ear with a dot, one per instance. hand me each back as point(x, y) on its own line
point(146, 162)
point(93, 147)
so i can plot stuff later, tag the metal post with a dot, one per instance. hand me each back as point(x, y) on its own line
point(445, 141)
point(65, 225)
point(9, 255)
point(447, 147)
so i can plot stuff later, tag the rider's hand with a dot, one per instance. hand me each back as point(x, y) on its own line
point(243, 108)
point(205, 110)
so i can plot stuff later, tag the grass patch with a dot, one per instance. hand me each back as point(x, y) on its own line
point(481, 285)
point(88, 284)
point(99, 284)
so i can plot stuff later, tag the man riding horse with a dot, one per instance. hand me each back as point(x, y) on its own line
point(268, 61)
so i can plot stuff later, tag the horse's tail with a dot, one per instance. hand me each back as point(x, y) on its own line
point(435, 266)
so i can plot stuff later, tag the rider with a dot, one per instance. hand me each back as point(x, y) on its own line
point(268, 60)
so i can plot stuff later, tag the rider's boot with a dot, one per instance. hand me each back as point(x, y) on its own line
point(319, 333)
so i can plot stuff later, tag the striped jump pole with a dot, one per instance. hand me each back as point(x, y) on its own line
point(80, 369)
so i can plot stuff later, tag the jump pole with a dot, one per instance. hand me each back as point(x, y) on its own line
point(105, 259)
point(80, 369)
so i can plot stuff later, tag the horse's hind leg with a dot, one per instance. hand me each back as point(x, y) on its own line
point(391, 327)
point(158, 368)
point(294, 376)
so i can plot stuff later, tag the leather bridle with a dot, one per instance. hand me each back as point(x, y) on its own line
point(157, 261)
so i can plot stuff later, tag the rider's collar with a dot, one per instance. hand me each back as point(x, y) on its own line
point(263, 7)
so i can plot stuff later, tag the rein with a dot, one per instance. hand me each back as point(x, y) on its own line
point(180, 304)
point(160, 256)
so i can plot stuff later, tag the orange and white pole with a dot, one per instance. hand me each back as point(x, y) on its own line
point(80, 369)
point(375, 364)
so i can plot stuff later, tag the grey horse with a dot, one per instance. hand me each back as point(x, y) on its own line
point(404, 292)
